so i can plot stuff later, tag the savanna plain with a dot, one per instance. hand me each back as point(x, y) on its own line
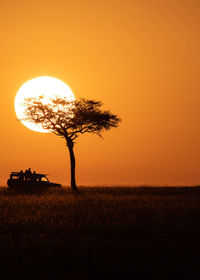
point(100, 233)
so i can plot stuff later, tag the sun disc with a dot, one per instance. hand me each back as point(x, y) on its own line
point(46, 86)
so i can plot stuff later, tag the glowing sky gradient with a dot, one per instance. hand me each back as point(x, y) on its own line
point(141, 58)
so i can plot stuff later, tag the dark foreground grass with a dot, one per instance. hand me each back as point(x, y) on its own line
point(100, 233)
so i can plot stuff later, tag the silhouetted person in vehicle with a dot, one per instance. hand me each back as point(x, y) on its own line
point(34, 177)
point(21, 175)
point(28, 175)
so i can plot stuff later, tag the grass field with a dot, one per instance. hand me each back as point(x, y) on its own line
point(100, 233)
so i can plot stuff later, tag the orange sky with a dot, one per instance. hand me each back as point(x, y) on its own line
point(141, 58)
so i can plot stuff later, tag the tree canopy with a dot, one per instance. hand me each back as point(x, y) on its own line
point(68, 119)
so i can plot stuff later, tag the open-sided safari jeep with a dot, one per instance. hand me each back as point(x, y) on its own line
point(29, 179)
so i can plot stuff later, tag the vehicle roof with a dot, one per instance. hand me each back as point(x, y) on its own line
point(36, 174)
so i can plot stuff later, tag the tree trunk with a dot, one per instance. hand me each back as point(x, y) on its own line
point(70, 146)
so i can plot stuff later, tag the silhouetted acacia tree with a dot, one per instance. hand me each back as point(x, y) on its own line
point(69, 119)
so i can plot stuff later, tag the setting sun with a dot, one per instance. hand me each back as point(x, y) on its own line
point(46, 86)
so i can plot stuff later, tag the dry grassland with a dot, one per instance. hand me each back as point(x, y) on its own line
point(100, 233)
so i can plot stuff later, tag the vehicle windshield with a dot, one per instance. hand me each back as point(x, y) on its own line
point(44, 179)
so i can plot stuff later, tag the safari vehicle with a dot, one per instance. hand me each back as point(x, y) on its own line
point(29, 179)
